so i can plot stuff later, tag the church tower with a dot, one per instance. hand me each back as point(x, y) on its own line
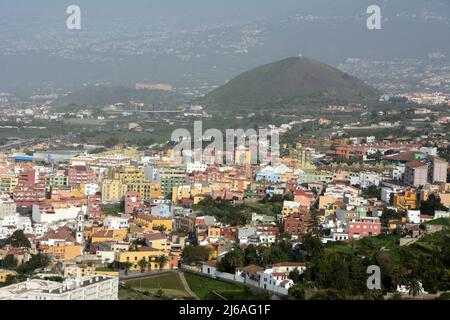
point(80, 227)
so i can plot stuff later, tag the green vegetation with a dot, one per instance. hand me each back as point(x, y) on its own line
point(112, 210)
point(281, 251)
point(193, 254)
point(239, 214)
point(170, 285)
point(432, 204)
point(292, 82)
point(338, 270)
point(128, 293)
point(206, 288)
point(17, 240)
point(104, 95)
point(439, 222)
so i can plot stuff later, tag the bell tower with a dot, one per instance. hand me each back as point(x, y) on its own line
point(80, 227)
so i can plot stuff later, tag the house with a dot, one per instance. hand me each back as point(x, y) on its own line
point(157, 240)
point(359, 227)
point(276, 278)
point(74, 270)
point(413, 216)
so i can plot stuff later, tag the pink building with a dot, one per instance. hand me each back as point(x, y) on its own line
point(359, 227)
point(132, 200)
point(94, 206)
point(79, 175)
point(304, 198)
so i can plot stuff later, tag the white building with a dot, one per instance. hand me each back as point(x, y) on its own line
point(86, 288)
point(414, 216)
point(14, 222)
point(49, 215)
point(276, 279)
point(388, 192)
point(91, 189)
point(116, 223)
point(196, 167)
point(7, 206)
point(366, 179)
point(441, 214)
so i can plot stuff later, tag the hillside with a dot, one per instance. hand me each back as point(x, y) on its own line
point(291, 82)
point(104, 95)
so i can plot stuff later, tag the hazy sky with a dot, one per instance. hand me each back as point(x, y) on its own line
point(35, 45)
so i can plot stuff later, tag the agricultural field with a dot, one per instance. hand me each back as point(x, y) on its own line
point(169, 285)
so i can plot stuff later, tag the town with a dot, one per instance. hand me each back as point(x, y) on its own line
point(78, 225)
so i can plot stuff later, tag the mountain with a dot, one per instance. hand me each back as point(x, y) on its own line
point(292, 82)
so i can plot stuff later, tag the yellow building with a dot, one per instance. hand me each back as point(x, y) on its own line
point(102, 235)
point(143, 187)
point(128, 174)
point(199, 198)
point(113, 190)
point(149, 223)
point(134, 180)
point(155, 192)
point(158, 240)
point(188, 192)
point(407, 201)
point(8, 183)
point(63, 252)
point(149, 254)
point(78, 270)
point(213, 231)
point(324, 201)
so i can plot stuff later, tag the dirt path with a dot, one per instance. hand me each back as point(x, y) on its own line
point(186, 286)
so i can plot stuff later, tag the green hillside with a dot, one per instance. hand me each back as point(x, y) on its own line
point(291, 82)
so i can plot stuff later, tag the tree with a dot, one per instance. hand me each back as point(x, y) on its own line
point(37, 261)
point(432, 204)
point(162, 261)
point(250, 255)
point(296, 292)
point(389, 214)
point(111, 142)
point(9, 262)
point(398, 276)
point(192, 254)
point(312, 246)
point(414, 287)
point(161, 228)
point(295, 276)
point(19, 240)
point(372, 192)
point(232, 260)
point(126, 266)
point(142, 264)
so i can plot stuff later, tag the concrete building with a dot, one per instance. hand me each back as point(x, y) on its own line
point(86, 288)
point(7, 206)
point(359, 227)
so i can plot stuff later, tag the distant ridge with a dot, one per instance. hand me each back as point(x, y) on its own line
point(290, 82)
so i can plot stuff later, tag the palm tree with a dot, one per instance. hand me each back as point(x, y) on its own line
point(126, 265)
point(414, 287)
point(162, 261)
point(142, 264)
point(398, 276)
